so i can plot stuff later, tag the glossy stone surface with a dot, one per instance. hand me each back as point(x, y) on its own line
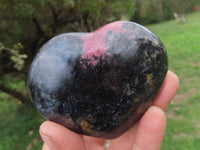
point(98, 83)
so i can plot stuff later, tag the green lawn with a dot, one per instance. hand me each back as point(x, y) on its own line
point(182, 42)
point(19, 124)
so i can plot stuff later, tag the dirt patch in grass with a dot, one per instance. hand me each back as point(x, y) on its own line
point(197, 127)
point(183, 135)
point(172, 114)
point(192, 63)
point(33, 143)
point(190, 89)
point(180, 98)
point(191, 79)
point(190, 136)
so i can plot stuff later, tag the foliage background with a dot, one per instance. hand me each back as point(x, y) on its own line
point(26, 25)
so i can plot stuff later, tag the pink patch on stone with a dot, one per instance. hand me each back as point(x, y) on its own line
point(145, 40)
point(95, 44)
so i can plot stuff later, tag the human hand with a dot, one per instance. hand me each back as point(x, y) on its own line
point(146, 134)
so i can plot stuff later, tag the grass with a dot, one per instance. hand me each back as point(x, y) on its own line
point(183, 47)
point(19, 124)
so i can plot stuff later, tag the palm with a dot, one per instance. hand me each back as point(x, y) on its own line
point(148, 133)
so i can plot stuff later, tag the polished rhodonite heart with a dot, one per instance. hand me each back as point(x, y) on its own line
point(98, 83)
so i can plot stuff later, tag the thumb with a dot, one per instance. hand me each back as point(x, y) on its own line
point(57, 137)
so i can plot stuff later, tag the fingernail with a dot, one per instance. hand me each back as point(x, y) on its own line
point(48, 140)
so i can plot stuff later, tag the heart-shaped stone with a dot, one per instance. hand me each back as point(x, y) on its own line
point(98, 83)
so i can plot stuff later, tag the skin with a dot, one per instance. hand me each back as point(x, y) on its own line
point(147, 133)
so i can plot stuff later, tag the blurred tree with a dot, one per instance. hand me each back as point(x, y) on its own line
point(152, 11)
point(137, 15)
point(31, 23)
point(17, 60)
